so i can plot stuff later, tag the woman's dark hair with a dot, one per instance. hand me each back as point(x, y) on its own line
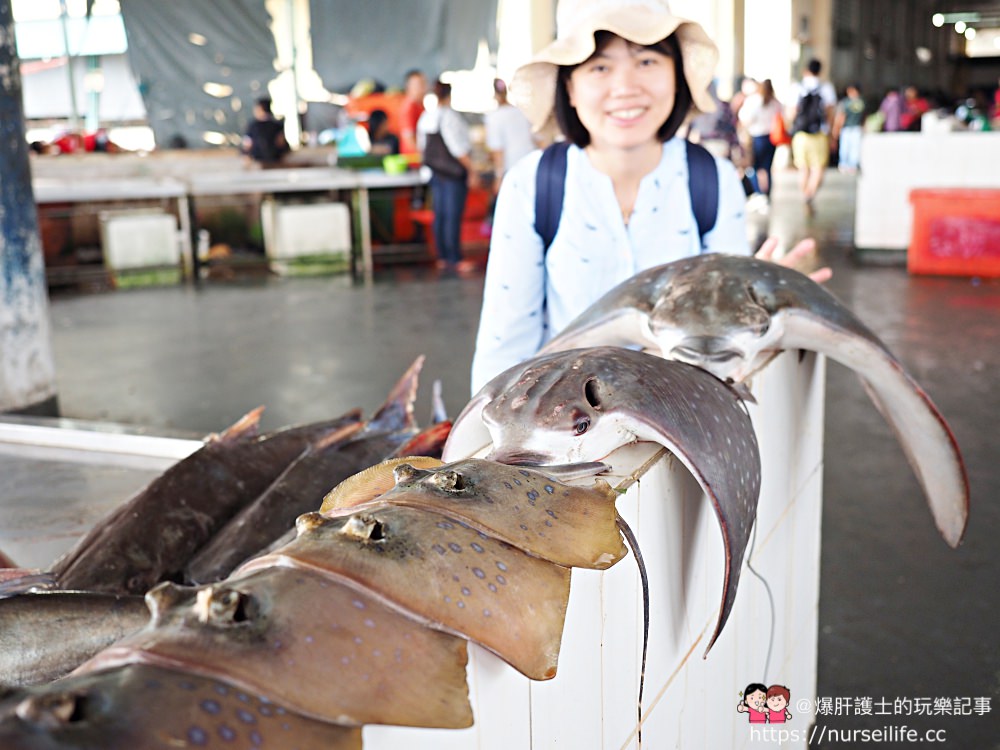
point(442, 90)
point(376, 119)
point(570, 123)
point(767, 91)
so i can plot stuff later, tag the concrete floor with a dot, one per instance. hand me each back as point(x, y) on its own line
point(902, 616)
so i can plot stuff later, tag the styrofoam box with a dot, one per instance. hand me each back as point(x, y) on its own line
point(139, 239)
point(293, 231)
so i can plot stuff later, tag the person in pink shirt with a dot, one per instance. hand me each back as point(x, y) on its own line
point(777, 704)
point(754, 702)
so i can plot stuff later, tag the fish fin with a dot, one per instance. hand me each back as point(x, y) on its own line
point(743, 391)
point(439, 413)
point(371, 483)
point(569, 472)
point(337, 435)
point(16, 581)
point(728, 472)
point(397, 411)
point(247, 426)
point(628, 326)
point(428, 442)
point(468, 433)
point(922, 432)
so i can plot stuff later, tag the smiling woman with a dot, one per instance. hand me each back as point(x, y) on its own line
point(618, 81)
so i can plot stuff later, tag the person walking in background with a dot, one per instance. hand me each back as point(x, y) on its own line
point(508, 134)
point(812, 115)
point(443, 139)
point(757, 115)
point(848, 125)
point(414, 91)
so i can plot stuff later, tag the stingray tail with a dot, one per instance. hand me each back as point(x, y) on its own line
point(633, 544)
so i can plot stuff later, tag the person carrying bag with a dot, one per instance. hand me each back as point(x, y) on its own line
point(443, 138)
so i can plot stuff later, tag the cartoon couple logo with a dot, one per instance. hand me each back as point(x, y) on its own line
point(766, 705)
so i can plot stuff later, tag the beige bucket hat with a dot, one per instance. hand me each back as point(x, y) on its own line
point(533, 85)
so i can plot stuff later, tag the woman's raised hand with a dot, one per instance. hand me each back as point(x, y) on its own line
point(798, 257)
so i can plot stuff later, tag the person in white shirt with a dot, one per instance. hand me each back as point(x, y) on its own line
point(757, 115)
point(443, 139)
point(508, 134)
point(620, 79)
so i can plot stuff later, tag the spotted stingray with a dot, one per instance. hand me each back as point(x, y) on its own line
point(469, 583)
point(581, 405)
point(138, 706)
point(732, 314)
point(251, 631)
point(566, 524)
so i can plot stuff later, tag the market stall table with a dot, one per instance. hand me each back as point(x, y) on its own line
point(307, 179)
point(87, 193)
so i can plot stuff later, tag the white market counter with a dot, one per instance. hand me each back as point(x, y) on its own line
point(893, 164)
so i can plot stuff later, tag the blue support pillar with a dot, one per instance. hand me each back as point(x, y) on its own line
point(27, 371)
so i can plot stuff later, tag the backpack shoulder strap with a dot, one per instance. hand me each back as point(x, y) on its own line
point(703, 185)
point(550, 186)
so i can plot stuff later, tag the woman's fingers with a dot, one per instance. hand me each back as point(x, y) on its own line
point(800, 257)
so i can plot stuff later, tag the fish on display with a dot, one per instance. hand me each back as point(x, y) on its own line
point(142, 707)
point(309, 642)
point(565, 524)
point(582, 405)
point(45, 636)
point(732, 314)
point(301, 487)
point(153, 535)
point(444, 574)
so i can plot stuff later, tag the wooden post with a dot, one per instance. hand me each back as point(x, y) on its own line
point(27, 371)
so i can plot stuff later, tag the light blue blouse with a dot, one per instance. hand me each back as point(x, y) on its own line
point(529, 295)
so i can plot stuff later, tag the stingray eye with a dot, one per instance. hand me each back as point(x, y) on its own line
point(581, 426)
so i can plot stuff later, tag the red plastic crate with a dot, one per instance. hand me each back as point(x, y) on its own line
point(956, 232)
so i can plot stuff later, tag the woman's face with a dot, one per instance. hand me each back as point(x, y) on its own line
point(623, 94)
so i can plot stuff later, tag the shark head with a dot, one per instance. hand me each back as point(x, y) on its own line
point(559, 410)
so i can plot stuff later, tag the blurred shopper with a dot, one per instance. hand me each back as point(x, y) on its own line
point(383, 142)
point(716, 130)
point(443, 139)
point(508, 134)
point(848, 125)
point(914, 107)
point(264, 141)
point(891, 110)
point(757, 115)
point(813, 113)
point(414, 91)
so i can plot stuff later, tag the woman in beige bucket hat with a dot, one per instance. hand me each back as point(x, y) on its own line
point(619, 80)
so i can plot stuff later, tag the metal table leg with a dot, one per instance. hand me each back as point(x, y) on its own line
point(365, 233)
